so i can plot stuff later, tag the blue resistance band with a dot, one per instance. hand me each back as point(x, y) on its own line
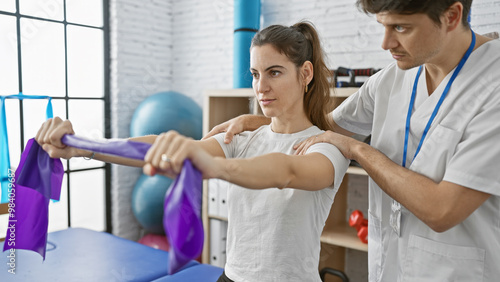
point(441, 99)
point(4, 140)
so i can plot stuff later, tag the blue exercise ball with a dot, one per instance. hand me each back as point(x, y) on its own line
point(166, 111)
point(148, 198)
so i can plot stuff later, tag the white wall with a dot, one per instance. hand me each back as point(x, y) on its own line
point(350, 38)
point(141, 64)
point(187, 45)
point(203, 46)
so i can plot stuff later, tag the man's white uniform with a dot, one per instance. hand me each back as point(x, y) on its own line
point(462, 146)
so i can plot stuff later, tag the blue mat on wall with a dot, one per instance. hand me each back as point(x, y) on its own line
point(246, 24)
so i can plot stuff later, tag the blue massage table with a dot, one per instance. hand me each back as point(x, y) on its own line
point(78, 254)
point(197, 273)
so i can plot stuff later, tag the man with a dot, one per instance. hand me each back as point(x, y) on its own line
point(434, 197)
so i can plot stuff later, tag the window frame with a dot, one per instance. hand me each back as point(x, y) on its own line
point(106, 97)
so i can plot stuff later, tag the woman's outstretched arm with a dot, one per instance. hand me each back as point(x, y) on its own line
point(312, 171)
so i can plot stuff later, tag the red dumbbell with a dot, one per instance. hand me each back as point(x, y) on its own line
point(357, 221)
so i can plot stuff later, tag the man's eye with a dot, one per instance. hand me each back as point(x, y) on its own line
point(399, 28)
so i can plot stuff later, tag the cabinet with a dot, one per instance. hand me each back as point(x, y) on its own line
point(222, 105)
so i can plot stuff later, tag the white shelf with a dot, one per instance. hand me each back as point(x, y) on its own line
point(341, 92)
point(344, 236)
point(217, 217)
point(356, 170)
point(237, 92)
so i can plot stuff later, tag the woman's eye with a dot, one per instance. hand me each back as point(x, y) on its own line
point(275, 73)
point(255, 75)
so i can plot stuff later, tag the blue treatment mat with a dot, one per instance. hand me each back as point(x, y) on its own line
point(196, 273)
point(78, 254)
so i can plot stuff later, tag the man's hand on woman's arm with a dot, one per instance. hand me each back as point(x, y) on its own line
point(440, 205)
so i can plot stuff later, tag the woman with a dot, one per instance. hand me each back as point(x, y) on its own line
point(273, 234)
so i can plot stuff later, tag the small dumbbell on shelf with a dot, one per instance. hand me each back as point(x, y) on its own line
point(357, 221)
point(352, 74)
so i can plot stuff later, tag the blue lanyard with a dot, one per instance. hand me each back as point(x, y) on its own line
point(441, 99)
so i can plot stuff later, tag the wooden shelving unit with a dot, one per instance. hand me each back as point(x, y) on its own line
point(344, 236)
point(222, 105)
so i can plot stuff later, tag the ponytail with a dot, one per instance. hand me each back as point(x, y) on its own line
point(317, 101)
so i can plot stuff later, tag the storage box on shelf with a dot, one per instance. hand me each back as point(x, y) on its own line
point(222, 105)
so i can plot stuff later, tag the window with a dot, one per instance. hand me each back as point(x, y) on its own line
point(59, 48)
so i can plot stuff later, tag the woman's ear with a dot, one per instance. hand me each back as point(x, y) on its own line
point(307, 71)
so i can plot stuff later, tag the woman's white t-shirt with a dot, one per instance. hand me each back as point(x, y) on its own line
point(274, 234)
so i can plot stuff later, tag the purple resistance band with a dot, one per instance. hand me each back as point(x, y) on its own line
point(38, 179)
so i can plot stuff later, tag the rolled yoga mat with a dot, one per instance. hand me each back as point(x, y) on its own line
point(246, 24)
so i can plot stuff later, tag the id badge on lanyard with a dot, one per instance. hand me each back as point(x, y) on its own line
point(395, 216)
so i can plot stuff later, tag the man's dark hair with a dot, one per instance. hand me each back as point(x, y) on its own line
point(432, 8)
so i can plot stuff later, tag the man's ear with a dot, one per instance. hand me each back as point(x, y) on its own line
point(452, 17)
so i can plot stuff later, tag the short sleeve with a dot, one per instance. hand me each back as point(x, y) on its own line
point(227, 148)
point(339, 162)
point(233, 149)
point(476, 161)
point(355, 114)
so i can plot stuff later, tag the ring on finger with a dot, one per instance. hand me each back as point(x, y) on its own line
point(165, 158)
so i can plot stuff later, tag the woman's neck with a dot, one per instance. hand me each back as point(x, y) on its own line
point(288, 127)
